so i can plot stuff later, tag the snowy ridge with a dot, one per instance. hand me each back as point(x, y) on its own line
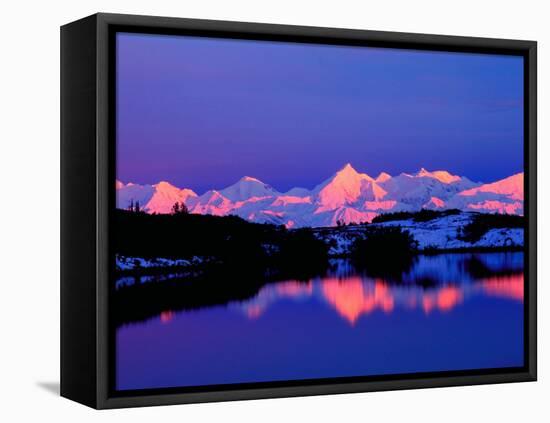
point(442, 233)
point(504, 196)
point(347, 196)
point(157, 198)
point(135, 263)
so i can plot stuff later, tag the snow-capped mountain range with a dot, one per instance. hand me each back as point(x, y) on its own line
point(347, 196)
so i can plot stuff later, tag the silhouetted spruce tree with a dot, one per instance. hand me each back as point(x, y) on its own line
point(131, 206)
point(176, 208)
point(179, 208)
point(183, 208)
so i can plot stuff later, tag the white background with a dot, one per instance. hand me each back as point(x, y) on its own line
point(29, 348)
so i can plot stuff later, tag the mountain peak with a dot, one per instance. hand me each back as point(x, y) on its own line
point(249, 179)
point(248, 187)
point(383, 177)
point(298, 192)
point(166, 187)
point(348, 173)
point(422, 172)
point(343, 188)
point(440, 175)
point(164, 184)
point(511, 186)
point(347, 168)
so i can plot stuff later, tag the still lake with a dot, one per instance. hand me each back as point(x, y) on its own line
point(446, 312)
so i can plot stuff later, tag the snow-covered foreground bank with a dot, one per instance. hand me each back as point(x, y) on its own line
point(124, 263)
point(441, 233)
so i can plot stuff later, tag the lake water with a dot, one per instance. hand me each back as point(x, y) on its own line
point(445, 312)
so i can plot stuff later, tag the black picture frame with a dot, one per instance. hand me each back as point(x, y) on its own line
point(88, 196)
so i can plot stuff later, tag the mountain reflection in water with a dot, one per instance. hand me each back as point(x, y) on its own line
point(445, 312)
point(353, 297)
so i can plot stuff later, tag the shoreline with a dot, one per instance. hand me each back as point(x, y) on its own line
point(198, 268)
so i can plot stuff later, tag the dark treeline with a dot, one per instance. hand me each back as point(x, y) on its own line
point(423, 215)
point(228, 239)
point(384, 251)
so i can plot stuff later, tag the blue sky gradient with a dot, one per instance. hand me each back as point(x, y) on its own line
point(203, 112)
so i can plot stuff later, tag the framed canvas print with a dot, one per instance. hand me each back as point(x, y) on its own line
point(255, 211)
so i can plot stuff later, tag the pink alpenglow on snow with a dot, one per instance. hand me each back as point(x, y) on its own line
point(504, 196)
point(383, 177)
point(346, 187)
point(157, 198)
point(512, 187)
point(435, 203)
point(440, 175)
point(347, 196)
point(247, 188)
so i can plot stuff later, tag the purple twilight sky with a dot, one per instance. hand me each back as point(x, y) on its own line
point(203, 112)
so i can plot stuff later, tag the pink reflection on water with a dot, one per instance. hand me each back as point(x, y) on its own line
point(272, 293)
point(351, 298)
point(505, 286)
point(295, 289)
point(254, 311)
point(444, 299)
point(166, 316)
